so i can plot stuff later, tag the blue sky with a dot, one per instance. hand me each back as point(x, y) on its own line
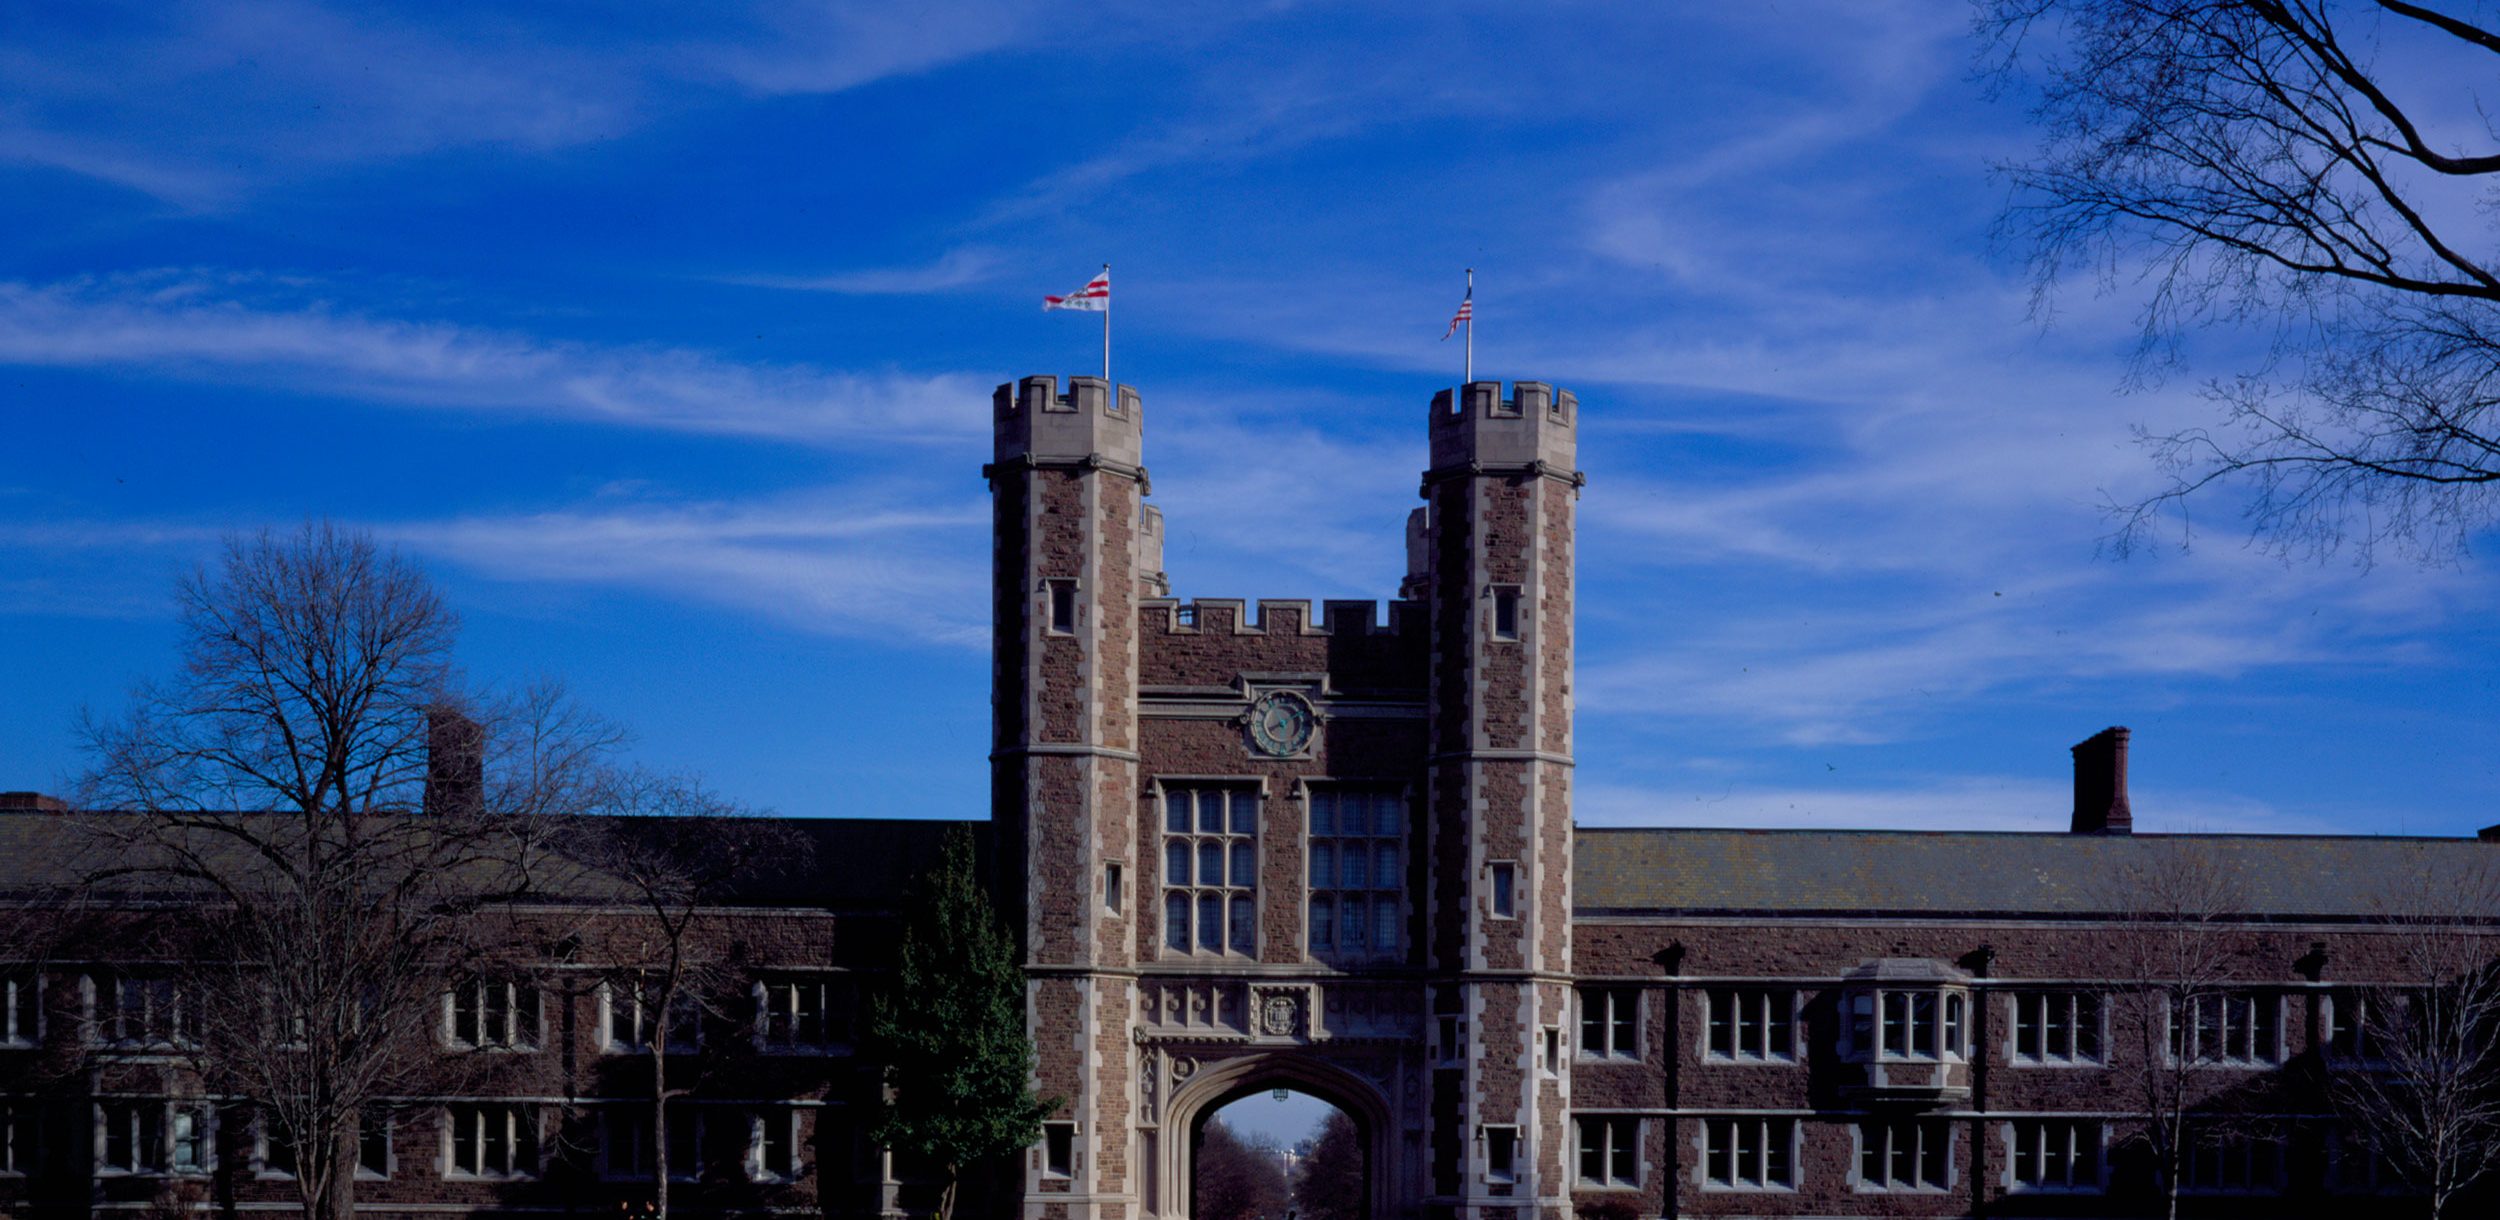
point(663, 336)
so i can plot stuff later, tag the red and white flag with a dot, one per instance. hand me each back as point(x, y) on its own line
point(1094, 297)
point(1466, 313)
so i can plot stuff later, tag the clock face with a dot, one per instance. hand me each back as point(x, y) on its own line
point(1281, 723)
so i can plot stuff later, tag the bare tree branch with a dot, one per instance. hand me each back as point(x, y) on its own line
point(2253, 162)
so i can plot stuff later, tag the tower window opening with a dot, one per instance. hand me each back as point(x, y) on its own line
point(1501, 1154)
point(1063, 607)
point(1506, 612)
point(1059, 1149)
point(1505, 890)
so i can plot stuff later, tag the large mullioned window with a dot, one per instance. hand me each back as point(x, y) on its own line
point(1752, 1023)
point(2057, 1027)
point(2239, 1027)
point(1210, 869)
point(1357, 873)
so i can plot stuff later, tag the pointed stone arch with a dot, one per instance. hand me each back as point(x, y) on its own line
point(1221, 1082)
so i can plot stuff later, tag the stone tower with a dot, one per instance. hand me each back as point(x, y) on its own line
point(1500, 497)
point(1250, 846)
point(1071, 551)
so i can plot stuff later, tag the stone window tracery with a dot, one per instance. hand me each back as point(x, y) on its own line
point(1358, 869)
point(1210, 870)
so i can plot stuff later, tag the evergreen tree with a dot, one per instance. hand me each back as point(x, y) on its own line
point(957, 1090)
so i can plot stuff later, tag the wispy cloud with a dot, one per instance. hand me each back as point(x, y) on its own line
point(844, 565)
point(199, 326)
point(877, 562)
point(197, 105)
point(959, 268)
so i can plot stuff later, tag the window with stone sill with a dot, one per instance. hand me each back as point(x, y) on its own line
point(2232, 1162)
point(1751, 1024)
point(1749, 1153)
point(1909, 1024)
point(630, 1016)
point(2353, 1166)
point(1915, 1155)
point(1358, 874)
point(773, 1144)
point(140, 1011)
point(1210, 870)
point(154, 1137)
point(2359, 1022)
point(21, 1010)
point(1610, 1153)
point(20, 1136)
point(2061, 1154)
point(802, 1015)
point(490, 1141)
point(492, 1014)
point(2240, 1027)
point(275, 1154)
point(2057, 1028)
point(1609, 1022)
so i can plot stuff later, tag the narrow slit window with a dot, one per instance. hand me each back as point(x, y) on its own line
point(1501, 1154)
point(1505, 890)
point(1063, 606)
point(1505, 612)
point(1111, 888)
point(1059, 1149)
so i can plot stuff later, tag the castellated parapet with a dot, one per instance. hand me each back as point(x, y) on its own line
point(1087, 425)
point(1477, 429)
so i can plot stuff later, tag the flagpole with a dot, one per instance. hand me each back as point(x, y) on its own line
point(1108, 388)
point(1471, 326)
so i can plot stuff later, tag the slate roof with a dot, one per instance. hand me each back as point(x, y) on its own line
point(1646, 871)
point(848, 864)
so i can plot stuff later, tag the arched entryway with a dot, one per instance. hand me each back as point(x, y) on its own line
point(1221, 1082)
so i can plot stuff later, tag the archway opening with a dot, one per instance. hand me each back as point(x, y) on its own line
point(1274, 1152)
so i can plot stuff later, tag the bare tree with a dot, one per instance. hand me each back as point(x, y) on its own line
point(1329, 1184)
point(2417, 1076)
point(2295, 165)
point(2174, 958)
point(677, 852)
point(337, 835)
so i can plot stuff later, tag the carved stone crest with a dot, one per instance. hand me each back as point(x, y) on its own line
point(1280, 1014)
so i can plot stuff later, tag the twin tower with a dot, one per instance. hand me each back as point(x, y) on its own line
point(1252, 847)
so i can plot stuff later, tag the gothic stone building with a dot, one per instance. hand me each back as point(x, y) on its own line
point(1251, 846)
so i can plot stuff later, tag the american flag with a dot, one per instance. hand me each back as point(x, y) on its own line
point(1466, 313)
point(1094, 297)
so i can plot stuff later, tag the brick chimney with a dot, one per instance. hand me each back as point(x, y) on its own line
point(455, 763)
point(2101, 785)
point(31, 802)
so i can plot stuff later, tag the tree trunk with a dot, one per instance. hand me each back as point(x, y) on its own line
point(946, 1197)
point(659, 1120)
point(336, 1198)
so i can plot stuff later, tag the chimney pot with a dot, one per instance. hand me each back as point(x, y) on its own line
point(2101, 784)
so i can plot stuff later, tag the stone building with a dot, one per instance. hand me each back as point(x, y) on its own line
point(1257, 845)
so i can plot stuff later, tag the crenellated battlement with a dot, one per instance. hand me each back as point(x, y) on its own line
point(1278, 616)
point(1534, 427)
point(1213, 641)
point(1033, 421)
